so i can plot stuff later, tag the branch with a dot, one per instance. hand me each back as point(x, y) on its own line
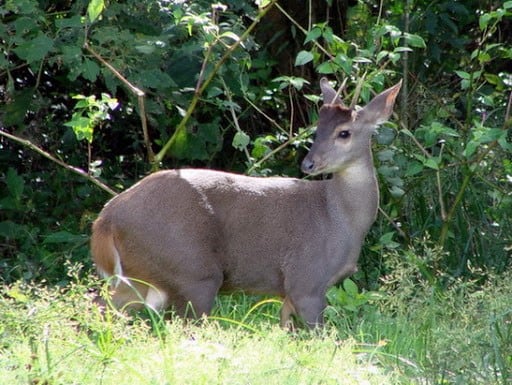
point(200, 89)
point(304, 31)
point(78, 171)
point(140, 98)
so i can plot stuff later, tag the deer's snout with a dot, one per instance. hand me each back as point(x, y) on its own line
point(308, 165)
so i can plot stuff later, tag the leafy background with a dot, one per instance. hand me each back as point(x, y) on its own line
point(97, 94)
point(234, 86)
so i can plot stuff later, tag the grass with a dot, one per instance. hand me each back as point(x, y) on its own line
point(411, 333)
point(51, 337)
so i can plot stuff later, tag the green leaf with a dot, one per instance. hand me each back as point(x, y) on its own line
point(463, 75)
point(71, 54)
point(154, 78)
point(15, 111)
point(94, 9)
point(402, 49)
point(24, 25)
point(17, 294)
point(414, 168)
point(34, 50)
point(396, 192)
point(303, 57)
point(263, 3)
point(381, 55)
point(260, 148)
point(492, 134)
point(294, 81)
point(112, 103)
point(189, 146)
point(394, 57)
point(350, 287)
point(214, 92)
point(470, 149)
point(297, 82)
point(82, 127)
point(415, 40)
point(314, 34)
point(90, 70)
point(11, 230)
point(386, 240)
point(210, 132)
point(230, 35)
point(241, 140)
point(146, 49)
point(15, 183)
point(344, 62)
point(504, 144)
point(364, 60)
point(431, 163)
point(72, 22)
point(386, 155)
point(484, 20)
point(385, 135)
point(326, 68)
point(64, 237)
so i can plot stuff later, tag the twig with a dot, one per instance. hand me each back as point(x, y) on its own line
point(405, 68)
point(304, 31)
point(440, 187)
point(259, 110)
point(381, 3)
point(233, 115)
point(393, 223)
point(507, 112)
point(277, 149)
point(203, 68)
point(357, 91)
point(195, 99)
point(82, 173)
point(140, 99)
point(409, 134)
point(458, 199)
point(292, 111)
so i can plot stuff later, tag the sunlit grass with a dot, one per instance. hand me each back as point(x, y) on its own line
point(56, 337)
point(411, 333)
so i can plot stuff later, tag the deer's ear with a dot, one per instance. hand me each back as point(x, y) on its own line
point(328, 93)
point(380, 107)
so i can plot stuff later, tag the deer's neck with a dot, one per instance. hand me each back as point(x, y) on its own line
point(355, 193)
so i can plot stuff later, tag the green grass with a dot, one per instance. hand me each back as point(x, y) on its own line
point(412, 333)
point(52, 337)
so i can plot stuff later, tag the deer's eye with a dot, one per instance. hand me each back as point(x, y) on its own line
point(344, 134)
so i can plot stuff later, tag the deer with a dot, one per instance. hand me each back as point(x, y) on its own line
point(179, 237)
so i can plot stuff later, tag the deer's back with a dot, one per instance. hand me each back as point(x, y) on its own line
point(255, 229)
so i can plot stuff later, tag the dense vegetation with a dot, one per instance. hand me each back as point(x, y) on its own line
point(97, 94)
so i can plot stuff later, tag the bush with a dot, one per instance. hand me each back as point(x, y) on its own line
point(112, 91)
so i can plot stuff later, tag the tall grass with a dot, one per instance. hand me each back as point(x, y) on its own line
point(437, 329)
point(411, 331)
point(59, 337)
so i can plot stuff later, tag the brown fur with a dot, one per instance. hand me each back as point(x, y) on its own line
point(191, 233)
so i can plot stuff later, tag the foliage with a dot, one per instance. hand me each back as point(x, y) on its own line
point(213, 95)
point(88, 113)
point(59, 337)
point(411, 335)
point(430, 303)
point(36, 247)
point(459, 334)
point(444, 169)
point(473, 148)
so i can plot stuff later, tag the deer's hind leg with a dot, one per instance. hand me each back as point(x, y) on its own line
point(196, 296)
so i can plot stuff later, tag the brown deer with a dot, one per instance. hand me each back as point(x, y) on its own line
point(178, 237)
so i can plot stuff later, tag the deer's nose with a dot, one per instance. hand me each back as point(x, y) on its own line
point(307, 165)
